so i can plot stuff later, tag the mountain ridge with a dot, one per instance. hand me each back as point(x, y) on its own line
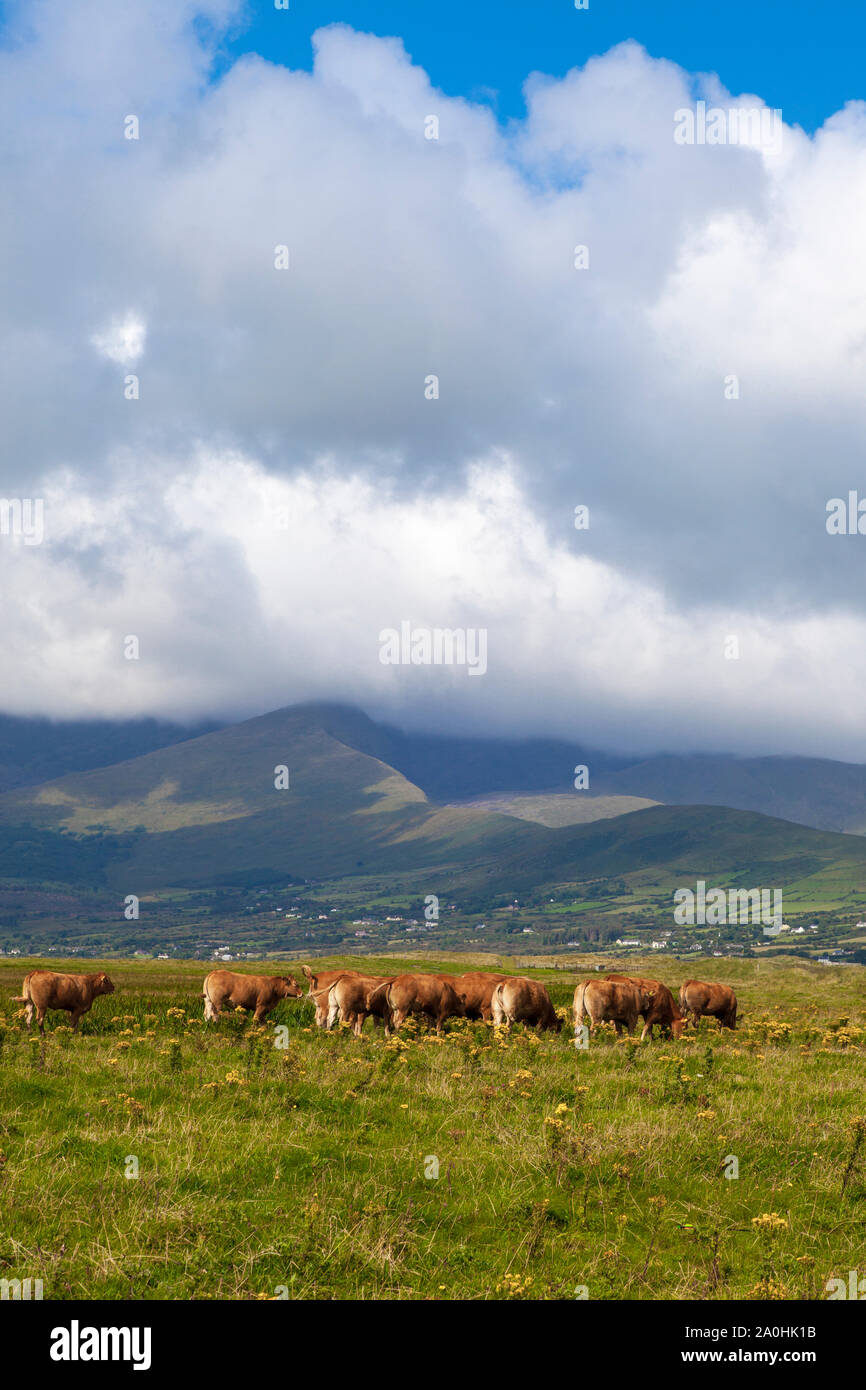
point(211, 810)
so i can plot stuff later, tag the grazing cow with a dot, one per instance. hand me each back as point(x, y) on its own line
point(320, 986)
point(429, 995)
point(607, 1001)
point(518, 1000)
point(658, 1006)
point(476, 987)
point(703, 1000)
point(258, 992)
point(355, 998)
point(45, 989)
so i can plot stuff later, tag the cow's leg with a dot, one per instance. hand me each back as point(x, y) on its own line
point(30, 1011)
point(260, 1013)
point(647, 1032)
point(398, 1018)
point(40, 1019)
point(76, 1015)
point(360, 1020)
point(617, 1023)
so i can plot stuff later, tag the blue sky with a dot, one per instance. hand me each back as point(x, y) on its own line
point(805, 58)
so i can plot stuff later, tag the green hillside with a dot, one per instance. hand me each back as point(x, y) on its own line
point(811, 791)
point(555, 809)
point(206, 813)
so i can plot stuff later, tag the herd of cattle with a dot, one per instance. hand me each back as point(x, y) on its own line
point(349, 997)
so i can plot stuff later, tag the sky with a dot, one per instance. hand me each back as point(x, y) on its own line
point(801, 58)
point(373, 303)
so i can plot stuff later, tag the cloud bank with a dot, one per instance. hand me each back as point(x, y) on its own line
point(246, 467)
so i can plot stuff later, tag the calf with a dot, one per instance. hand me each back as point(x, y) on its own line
point(261, 993)
point(709, 1000)
point(436, 999)
point(355, 998)
point(607, 1001)
point(658, 1006)
point(518, 1000)
point(45, 989)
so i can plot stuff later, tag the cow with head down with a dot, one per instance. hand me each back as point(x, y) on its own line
point(259, 993)
point(476, 989)
point(517, 999)
point(355, 998)
point(607, 1001)
point(703, 1000)
point(46, 989)
point(658, 1006)
point(433, 998)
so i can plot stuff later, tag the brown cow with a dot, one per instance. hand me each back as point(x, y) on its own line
point(658, 1006)
point(355, 998)
point(519, 1000)
point(45, 989)
point(320, 986)
point(703, 1000)
point(607, 1001)
point(476, 987)
point(436, 999)
point(258, 992)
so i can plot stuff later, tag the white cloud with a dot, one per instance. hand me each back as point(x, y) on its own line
point(122, 340)
point(247, 591)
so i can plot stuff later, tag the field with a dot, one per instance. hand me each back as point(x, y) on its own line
point(478, 1166)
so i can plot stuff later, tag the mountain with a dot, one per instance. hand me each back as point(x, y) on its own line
point(818, 792)
point(811, 791)
point(206, 811)
point(34, 750)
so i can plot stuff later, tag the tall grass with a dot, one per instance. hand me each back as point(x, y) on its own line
point(479, 1165)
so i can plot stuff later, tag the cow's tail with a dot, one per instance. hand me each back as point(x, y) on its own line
point(335, 1009)
point(496, 1001)
point(25, 997)
point(210, 1010)
point(580, 1010)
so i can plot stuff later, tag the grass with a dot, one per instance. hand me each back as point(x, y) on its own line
point(310, 1168)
